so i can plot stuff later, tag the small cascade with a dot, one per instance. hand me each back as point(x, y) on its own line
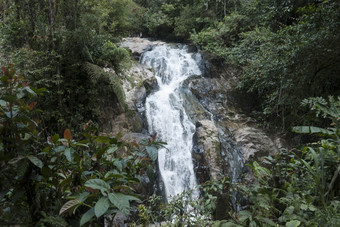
point(167, 117)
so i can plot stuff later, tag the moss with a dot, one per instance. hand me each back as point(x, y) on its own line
point(96, 74)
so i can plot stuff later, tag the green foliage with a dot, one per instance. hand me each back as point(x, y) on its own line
point(79, 180)
point(187, 208)
point(286, 51)
point(49, 41)
point(216, 39)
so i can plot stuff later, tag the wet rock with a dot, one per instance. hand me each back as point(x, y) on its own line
point(209, 143)
point(240, 137)
point(193, 107)
point(137, 81)
point(138, 45)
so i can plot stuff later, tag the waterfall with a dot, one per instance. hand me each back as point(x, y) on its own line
point(166, 115)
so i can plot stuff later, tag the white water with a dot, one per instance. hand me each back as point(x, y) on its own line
point(166, 116)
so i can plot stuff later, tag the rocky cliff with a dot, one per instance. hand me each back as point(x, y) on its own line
point(226, 137)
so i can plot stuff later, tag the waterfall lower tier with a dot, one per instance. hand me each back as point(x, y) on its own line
point(166, 115)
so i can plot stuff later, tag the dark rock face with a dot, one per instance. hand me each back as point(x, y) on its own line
point(240, 140)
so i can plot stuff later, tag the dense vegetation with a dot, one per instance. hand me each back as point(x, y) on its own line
point(287, 53)
point(286, 50)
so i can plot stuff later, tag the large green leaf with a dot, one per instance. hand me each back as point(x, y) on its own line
point(118, 164)
point(311, 130)
point(69, 154)
point(3, 103)
point(98, 184)
point(150, 173)
point(101, 206)
point(152, 152)
point(69, 205)
point(87, 216)
point(121, 201)
point(268, 221)
point(293, 223)
point(36, 161)
point(260, 171)
point(244, 215)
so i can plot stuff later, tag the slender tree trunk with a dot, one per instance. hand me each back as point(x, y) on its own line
point(224, 8)
point(52, 22)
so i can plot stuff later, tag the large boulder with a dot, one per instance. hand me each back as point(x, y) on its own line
point(137, 82)
point(255, 143)
point(138, 45)
point(209, 144)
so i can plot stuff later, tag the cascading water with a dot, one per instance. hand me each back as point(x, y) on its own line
point(166, 115)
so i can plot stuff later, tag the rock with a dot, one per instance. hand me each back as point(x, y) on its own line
point(124, 123)
point(138, 45)
point(119, 220)
point(255, 143)
point(240, 137)
point(209, 142)
point(135, 137)
point(137, 81)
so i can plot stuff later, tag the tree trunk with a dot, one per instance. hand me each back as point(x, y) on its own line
point(52, 26)
point(224, 8)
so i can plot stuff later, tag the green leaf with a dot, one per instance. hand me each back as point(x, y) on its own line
point(293, 223)
point(36, 161)
point(119, 165)
point(303, 206)
point(69, 154)
point(29, 90)
point(55, 138)
point(15, 160)
point(121, 201)
point(290, 210)
point(22, 167)
point(87, 216)
point(3, 103)
point(152, 152)
point(244, 215)
point(133, 198)
point(103, 139)
point(112, 150)
point(101, 206)
point(260, 171)
point(268, 221)
point(150, 173)
point(98, 184)
point(83, 196)
point(12, 114)
point(68, 205)
point(311, 130)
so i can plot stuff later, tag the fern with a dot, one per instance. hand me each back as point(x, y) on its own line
point(96, 74)
point(54, 221)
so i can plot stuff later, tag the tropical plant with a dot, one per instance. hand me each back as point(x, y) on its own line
point(95, 175)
